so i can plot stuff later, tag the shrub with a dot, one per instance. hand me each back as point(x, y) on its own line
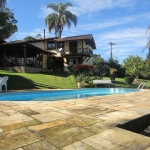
point(128, 79)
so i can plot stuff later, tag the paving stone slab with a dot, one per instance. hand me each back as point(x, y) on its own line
point(98, 127)
point(14, 119)
point(3, 107)
point(28, 112)
point(14, 126)
point(79, 146)
point(123, 138)
point(98, 142)
point(16, 138)
point(2, 114)
point(43, 109)
point(41, 145)
point(11, 112)
point(50, 116)
point(1, 130)
point(47, 125)
point(68, 136)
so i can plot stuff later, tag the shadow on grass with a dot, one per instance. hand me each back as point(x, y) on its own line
point(16, 82)
point(57, 73)
point(120, 84)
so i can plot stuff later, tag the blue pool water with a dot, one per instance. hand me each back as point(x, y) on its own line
point(55, 95)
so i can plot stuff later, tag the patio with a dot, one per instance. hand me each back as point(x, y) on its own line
point(82, 124)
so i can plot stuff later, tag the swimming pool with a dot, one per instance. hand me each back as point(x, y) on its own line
point(55, 95)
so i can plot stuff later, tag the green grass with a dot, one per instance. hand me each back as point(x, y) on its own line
point(24, 81)
point(55, 80)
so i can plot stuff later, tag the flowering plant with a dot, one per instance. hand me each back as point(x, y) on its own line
point(112, 71)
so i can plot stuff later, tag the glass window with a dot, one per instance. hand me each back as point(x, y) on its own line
point(51, 45)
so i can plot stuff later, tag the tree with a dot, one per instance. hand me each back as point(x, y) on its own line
point(133, 65)
point(29, 38)
point(61, 17)
point(148, 42)
point(38, 36)
point(146, 69)
point(7, 22)
point(2, 4)
point(101, 68)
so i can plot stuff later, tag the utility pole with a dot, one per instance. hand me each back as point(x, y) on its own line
point(111, 44)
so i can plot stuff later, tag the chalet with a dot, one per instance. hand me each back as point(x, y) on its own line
point(47, 54)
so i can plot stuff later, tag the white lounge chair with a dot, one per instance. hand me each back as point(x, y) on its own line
point(102, 82)
point(3, 81)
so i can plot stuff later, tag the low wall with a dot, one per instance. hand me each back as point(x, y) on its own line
point(24, 69)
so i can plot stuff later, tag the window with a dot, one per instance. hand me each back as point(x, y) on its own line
point(51, 45)
point(60, 45)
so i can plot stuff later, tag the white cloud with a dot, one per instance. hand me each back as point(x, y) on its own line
point(130, 41)
point(88, 6)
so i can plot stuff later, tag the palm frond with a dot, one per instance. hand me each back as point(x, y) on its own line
point(60, 18)
point(53, 6)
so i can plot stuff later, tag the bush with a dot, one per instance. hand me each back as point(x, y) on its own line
point(128, 79)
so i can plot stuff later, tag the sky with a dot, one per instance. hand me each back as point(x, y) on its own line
point(123, 22)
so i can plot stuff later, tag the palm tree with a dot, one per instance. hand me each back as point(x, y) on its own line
point(2, 4)
point(148, 42)
point(61, 17)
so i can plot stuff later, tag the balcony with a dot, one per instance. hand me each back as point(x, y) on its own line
point(78, 51)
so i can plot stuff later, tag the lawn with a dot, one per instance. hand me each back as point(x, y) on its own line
point(24, 81)
point(54, 80)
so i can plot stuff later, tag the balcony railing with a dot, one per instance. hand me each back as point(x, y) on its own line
point(78, 51)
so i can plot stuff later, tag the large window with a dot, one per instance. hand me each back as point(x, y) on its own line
point(51, 45)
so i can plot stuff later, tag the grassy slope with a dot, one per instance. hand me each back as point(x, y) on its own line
point(21, 81)
point(53, 80)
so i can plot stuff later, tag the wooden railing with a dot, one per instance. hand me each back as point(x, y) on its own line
point(78, 51)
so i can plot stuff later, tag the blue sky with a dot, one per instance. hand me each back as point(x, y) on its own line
point(123, 22)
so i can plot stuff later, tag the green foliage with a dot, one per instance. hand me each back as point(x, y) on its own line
point(61, 17)
point(113, 63)
point(133, 65)
point(81, 74)
point(148, 42)
point(145, 72)
point(49, 80)
point(29, 38)
point(2, 4)
point(7, 24)
point(128, 79)
point(38, 36)
point(101, 68)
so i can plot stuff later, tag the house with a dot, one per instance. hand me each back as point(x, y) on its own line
point(48, 53)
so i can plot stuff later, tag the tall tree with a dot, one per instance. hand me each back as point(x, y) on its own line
point(148, 42)
point(133, 65)
point(7, 24)
point(61, 17)
point(29, 38)
point(2, 4)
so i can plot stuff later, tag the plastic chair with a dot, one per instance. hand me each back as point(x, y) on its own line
point(3, 81)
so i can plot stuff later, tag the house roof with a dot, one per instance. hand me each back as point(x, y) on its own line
point(47, 39)
point(88, 38)
point(20, 44)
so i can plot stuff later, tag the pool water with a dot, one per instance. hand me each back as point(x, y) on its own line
point(55, 95)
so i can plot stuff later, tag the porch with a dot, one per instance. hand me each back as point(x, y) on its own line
point(21, 53)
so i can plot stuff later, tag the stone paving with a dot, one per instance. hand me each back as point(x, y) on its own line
point(76, 124)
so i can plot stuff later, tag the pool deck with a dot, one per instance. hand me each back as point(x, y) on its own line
point(81, 124)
